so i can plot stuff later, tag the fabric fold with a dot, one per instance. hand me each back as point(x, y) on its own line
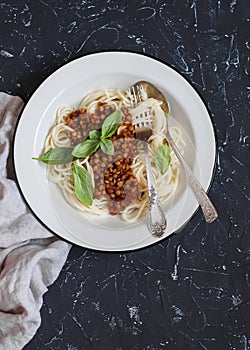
point(31, 257)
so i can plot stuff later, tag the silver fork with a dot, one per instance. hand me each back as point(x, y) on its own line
point(143, 130)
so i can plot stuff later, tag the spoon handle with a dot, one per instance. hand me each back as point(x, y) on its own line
point(157, 218)
point(207, 207)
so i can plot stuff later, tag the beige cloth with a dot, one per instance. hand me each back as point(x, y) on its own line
point(31, 258)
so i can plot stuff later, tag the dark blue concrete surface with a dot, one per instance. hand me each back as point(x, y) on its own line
point(191, 291)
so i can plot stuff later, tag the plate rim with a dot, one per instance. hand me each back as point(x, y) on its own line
point(108, 52)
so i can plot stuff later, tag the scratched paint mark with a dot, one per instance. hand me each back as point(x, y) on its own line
point(194, 7)
point(236, 300)
point(233, 56)
point(110, 31)
point(6, 54)
point(233, 4)
point(179, 314)
point(146, 13)
point(26, 16)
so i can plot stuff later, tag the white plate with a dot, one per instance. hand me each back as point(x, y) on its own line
point(67, 86)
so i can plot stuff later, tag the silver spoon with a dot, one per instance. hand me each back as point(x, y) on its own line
point(206, 205)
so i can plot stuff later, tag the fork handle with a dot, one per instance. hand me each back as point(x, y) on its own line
point(206, 205)
point(157, 218)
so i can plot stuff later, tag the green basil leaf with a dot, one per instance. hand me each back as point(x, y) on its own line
point(95, 135)
point(83, 185)
point(162, 158)
point(85, 148)
point(60, 155)
point(107, 147)
point(111, 123)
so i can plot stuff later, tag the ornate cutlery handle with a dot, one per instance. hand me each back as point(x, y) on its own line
point(207, 207)
point(157, 218)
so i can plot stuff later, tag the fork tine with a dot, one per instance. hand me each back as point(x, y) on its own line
point(134, 97)
point(139, 90)
point(129, 94)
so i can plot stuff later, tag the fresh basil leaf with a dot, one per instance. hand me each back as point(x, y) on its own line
point(55, 156)
point(85, 148)
point(107, 147)
point(162, 158)
point(111, 123)
point(83, 185)
point(95, 135)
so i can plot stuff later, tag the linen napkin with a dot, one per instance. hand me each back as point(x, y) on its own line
point(30, 256)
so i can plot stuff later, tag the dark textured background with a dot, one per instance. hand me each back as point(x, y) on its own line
point(191, 291)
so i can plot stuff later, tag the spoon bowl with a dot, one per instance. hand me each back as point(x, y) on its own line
point(152, 91)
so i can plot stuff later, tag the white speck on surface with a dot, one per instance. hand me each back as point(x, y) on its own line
point(112, 323)
point(178, 314)
point(134, 314)
point(40, 56)
point(97, 306)
point(71, 347)
point(236, 300)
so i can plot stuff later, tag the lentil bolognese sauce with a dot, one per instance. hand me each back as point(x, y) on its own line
point(113, 176)
point(92, 155)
